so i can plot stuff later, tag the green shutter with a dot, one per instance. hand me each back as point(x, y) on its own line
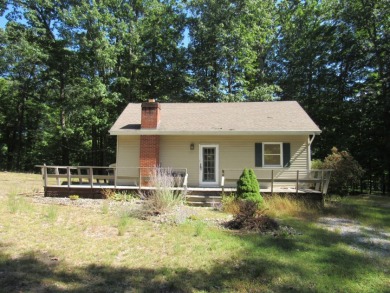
point(258, 155)
point(286, 154)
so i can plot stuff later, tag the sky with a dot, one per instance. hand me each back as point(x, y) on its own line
point(3, 21)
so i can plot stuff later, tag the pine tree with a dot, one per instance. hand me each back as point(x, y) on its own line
point(248, 187)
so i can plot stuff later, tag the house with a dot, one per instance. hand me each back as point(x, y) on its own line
point(215, 141)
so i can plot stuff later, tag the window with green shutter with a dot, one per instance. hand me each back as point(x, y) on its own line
point(272, 154)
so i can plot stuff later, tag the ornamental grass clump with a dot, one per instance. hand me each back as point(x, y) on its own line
point(248, 187)
point(163, 197)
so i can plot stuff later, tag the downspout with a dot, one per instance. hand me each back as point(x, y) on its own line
point(310, 141)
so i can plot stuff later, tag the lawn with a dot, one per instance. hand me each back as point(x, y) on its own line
point(68, 248)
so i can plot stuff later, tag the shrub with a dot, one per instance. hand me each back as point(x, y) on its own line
point(248, 187)
point(164, 197)
point(346, 170)
point(118, 196)
point(73, 197)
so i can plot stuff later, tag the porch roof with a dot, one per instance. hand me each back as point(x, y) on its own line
point(249, 118)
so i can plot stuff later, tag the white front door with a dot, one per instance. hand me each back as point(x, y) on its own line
point(208, 165)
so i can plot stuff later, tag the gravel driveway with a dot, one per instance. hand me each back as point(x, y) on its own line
point(375, 242)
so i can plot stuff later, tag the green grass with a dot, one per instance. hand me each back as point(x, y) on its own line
point(83, 250)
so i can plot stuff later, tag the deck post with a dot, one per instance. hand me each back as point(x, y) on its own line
point(297, 182)
point(44, 169)
point(57, 173)
point(185, 182)
point(272, 182)
point(326, 183)
point(68, 175)
point(91, 176)
point(115, 174)
point(322, 182)
point(223, 181)
point(79, 173)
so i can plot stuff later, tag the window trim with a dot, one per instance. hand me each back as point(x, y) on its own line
point(280, 165)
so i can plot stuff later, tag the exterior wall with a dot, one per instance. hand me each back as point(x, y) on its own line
point(235, 154)
point(127, 159)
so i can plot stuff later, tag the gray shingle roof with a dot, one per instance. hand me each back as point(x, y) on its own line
point(281, 117)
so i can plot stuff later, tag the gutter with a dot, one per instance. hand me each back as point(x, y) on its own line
point(215, 133)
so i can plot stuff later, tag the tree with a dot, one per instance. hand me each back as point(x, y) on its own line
point(248, 187)
point(228, 44)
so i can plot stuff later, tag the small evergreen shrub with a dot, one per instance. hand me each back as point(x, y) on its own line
point(248, 187)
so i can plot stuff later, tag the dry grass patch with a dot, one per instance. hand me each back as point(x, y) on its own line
point(279, 206)
point(25, 183)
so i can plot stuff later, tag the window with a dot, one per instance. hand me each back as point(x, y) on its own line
point(272, 154)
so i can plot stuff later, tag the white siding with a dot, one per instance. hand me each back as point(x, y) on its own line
point(127, 159)
point(235, 152)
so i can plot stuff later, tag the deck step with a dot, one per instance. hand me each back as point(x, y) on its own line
point(203, 200)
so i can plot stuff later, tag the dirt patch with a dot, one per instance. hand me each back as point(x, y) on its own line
point(362, 238)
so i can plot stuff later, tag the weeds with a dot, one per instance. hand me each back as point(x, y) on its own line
point(105, 207)
point(118, 196)
point(12, 202)
point(17, 203)
point(123, 222)
point(51, 213)
point(229, 204)
point(122, 225)
point(199, 227)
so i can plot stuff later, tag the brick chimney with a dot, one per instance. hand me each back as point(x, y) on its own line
point(149, 144)
point(150, 115)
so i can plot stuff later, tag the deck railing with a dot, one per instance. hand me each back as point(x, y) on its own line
point(316, 179)
point(110, 177)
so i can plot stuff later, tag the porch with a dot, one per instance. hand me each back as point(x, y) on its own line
point(92, 181)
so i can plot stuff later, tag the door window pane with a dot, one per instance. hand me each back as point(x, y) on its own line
point(209, 164)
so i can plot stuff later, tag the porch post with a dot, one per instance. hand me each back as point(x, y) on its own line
point(223, 181)
point(44, 175)
point(115, 171)
point(68, 175)
point(57, 173)
point(91, 176)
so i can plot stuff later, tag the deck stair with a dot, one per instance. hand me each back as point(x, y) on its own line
point(204, 198)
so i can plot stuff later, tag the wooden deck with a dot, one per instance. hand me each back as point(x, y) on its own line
point(92, 182)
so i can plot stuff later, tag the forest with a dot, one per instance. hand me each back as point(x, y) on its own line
point(68, 68)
